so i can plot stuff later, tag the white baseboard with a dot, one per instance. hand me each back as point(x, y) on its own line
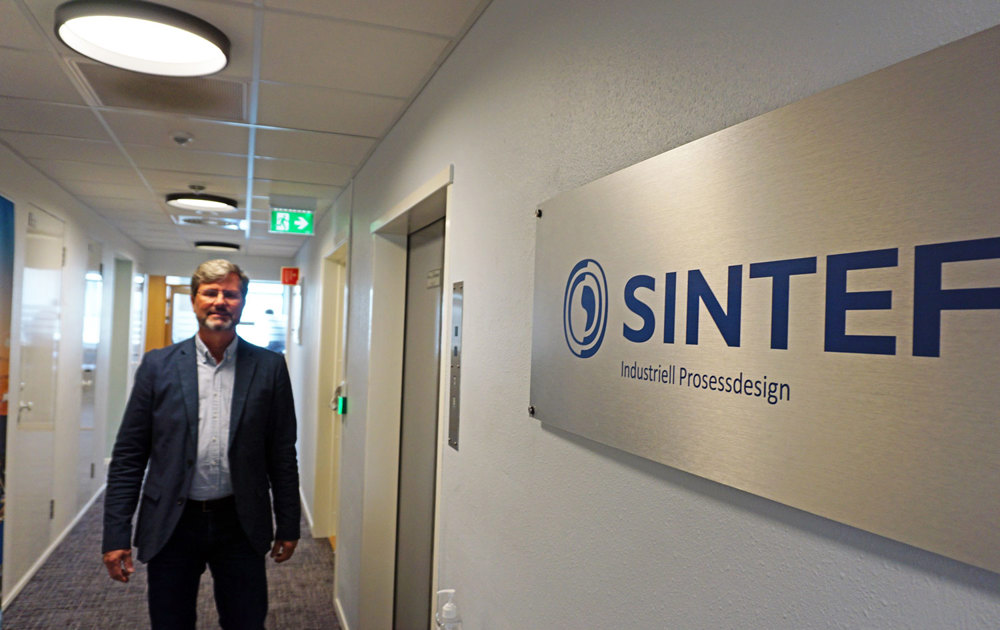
point(340, 613)
point(13, 592)
point(305, 509)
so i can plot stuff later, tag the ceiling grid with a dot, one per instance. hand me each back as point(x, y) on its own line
point(311, 89)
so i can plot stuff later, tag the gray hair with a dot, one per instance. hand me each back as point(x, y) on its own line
point(216, 271)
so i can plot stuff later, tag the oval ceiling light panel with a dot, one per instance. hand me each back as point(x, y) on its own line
point(142, 37)
point(203, 203)
point(217, 246)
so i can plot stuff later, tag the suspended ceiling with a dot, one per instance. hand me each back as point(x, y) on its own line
point(311, 88)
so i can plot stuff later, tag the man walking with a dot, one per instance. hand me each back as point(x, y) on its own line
point(212, 419)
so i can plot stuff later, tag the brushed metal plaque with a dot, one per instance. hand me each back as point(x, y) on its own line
point(805, 306)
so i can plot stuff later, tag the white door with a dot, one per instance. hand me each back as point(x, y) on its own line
point(331, 374)
point(31, 463)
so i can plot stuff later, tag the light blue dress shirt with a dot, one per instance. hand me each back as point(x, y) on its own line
point(215, 403)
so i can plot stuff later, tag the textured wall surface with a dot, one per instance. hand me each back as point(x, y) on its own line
point(542, 529)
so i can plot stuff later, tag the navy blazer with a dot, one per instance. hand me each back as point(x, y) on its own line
point(159, 430)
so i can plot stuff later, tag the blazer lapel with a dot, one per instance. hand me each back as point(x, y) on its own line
point(187, 374)
point(246, 365)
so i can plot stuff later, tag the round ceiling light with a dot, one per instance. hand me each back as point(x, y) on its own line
point(217, 246)
point(196, 200)
point(143, 37)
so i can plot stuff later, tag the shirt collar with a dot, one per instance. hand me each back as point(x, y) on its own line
point(206, 355)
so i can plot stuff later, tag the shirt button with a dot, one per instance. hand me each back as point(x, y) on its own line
point(180, 501)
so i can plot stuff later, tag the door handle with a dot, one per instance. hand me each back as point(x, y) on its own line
point(21, 406)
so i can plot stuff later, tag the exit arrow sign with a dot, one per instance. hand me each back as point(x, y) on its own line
point(291, 221)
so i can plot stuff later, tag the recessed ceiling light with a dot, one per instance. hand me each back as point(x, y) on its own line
point(197, 200)
point(218, 246)
point(225, 223)
point(143, 37)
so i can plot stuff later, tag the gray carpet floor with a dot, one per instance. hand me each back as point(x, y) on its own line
point(72, 590)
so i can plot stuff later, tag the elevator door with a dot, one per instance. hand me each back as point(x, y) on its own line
point(418, 433)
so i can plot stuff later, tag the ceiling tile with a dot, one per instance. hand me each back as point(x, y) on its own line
point(179, 181)
point(118, 217)
point(62, 120)
point(198, 233)
point(16, 31)
point(324, 109)
point(176, 244)
point(351, 56)
point(68, 170)
point(125, 207)
point(313, 146)
point(158, 227)
point(208, 97)
point(260, 231)
point(305, 172)
point(180, 159)
point(443, 17)
point(266, 187)
point(153, 229)
point(160, 129)
point(100, 189)
point(35, 75)
point(33, 145)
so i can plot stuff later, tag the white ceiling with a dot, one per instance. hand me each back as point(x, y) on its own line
point(311, 88)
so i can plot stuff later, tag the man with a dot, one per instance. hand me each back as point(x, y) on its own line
point(212, 418)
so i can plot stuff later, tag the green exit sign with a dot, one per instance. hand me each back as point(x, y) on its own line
point(291, 221)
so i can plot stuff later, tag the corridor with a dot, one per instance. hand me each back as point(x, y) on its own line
point(779, 215)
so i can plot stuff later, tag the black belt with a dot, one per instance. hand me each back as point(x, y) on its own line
point(211, 505)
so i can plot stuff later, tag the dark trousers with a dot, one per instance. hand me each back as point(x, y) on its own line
point(208, 533)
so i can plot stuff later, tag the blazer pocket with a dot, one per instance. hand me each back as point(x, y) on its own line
point(151, 491)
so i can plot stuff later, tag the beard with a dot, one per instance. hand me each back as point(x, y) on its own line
point(218, 325)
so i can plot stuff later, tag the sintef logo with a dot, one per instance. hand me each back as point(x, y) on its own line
point(585, 305)
point(585, 308)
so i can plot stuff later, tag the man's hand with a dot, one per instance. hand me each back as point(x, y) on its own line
point(283, 549)
point(119, 564)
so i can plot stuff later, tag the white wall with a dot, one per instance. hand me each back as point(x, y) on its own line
point(542, 529)
point(26, 187)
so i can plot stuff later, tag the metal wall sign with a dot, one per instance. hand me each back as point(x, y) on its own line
point(805, 306)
